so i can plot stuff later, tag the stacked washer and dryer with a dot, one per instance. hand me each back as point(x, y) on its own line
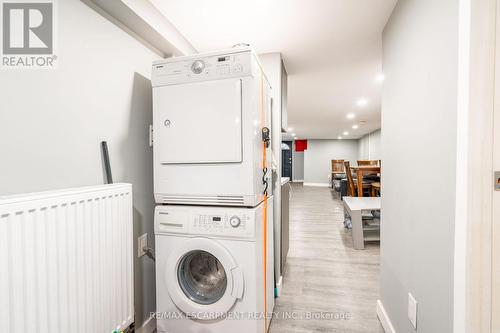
point(212, 184)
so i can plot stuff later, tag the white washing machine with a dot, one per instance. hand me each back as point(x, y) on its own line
point(209, 111)
point(210, 275)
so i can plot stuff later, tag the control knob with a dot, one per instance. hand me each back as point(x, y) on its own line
point(198, 66)
point(235, 221)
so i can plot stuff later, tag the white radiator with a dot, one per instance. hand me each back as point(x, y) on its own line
point(66, 261)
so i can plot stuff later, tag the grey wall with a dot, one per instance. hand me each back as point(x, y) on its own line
point(318, 156)
point(297, 164)
point(419, 107)
point(369, 146)
point(52, 121)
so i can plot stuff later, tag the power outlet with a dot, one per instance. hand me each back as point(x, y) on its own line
point(412, 310)
point(142, 242)
point(151, 137)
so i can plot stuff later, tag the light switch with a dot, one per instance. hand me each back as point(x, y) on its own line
point(412, 310)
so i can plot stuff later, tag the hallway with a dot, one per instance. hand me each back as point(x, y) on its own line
point(324, 275)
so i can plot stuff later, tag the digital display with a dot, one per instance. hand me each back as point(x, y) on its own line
point(221, 59)
point(216, 219)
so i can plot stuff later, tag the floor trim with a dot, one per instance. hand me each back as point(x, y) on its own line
point(297, 180)
point(317, 184)
point(384, 318)
point(148, 326)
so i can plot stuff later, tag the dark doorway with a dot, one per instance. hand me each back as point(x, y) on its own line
point(286, 157)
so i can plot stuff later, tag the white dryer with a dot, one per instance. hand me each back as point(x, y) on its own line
point(209, 111)
point(210, 275)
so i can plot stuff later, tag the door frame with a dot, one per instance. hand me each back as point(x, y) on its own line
point(290, 144)
point(477, 97)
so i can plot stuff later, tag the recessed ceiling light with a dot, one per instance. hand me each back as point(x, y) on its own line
point(362, 102)
point(346, 133)
point(290, 129)
point(355, 126)
point(380, 78)
point(340, 138)
point(351, 116)
point(294, 134)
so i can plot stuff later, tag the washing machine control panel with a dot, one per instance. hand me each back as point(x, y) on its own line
point(226, 225)
point(209, 221)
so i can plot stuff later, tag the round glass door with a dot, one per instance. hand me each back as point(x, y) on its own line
point(202, 277)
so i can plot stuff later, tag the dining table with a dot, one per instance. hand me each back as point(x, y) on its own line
point(361, 171)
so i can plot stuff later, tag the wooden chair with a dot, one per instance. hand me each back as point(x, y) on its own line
point(375, 189)
point(371, 175)
point(368, 162)
point(337, 168)
point(351, 184)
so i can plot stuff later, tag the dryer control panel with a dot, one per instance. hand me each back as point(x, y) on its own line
point(193, 69)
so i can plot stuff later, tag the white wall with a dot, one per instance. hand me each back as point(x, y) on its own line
point(369, 146)
point(419, 124)
point(52, 121)
point(318, 156)
point(297, 164)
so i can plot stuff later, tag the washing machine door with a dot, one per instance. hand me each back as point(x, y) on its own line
point(203, 279)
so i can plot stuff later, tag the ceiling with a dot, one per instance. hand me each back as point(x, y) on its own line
point(332, 51)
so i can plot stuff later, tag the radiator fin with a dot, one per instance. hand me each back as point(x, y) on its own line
point(68, 260)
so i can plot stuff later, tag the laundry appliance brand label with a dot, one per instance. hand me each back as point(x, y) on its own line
point(28, 34)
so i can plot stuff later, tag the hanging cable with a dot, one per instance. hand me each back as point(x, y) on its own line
point(265, 145)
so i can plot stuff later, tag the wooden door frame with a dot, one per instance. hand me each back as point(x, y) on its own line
point(477, 98)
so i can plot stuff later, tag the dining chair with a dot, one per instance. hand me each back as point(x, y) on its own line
point(338, 167)
point(338, 170)
point(369, 162)
point(372, 176)
point(375, 187)
point(351, 184)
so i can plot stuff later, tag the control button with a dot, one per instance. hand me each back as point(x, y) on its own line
point(234, 221)
point(198, 66)
point(238, 68)
point(223, 71)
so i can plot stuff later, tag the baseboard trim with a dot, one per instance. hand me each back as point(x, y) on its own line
point(147, 327)
point(297, 180)
point(384, 318)
point(317, 184)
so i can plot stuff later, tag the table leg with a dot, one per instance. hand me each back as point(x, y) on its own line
point(357, 230)
point(360, 182)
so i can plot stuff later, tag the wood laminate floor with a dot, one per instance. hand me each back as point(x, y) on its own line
point(328, 286)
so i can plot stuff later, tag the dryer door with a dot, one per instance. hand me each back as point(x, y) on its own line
point(203, 279)
point(198, 122)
